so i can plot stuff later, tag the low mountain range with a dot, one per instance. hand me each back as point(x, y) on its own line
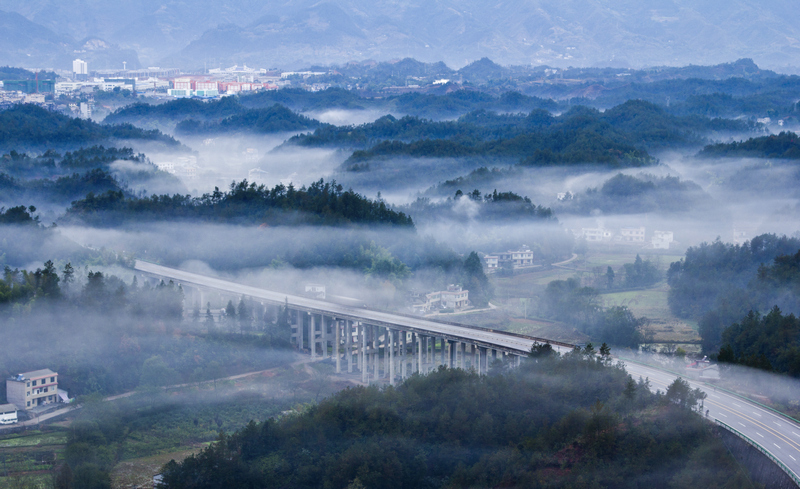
point(292, 34)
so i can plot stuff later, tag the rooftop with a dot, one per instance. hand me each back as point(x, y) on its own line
point(45, 372)
point(4, 408)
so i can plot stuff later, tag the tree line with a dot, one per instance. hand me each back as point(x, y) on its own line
point(320, 203)
point(745, 298)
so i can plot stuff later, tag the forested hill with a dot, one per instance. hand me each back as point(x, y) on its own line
point(24, 126)
point(261, 121)
point(176, 110)
point(554, 422)
point(785, 145)
point(319, 203)
point(620, 136)
point(190, 116)
point(633, 123)
point(55, 178)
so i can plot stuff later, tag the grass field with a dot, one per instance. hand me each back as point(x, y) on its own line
point(27, 459)
point(139, 472)
point(517, 297)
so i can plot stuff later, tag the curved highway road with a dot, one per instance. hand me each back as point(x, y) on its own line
point(775, 433)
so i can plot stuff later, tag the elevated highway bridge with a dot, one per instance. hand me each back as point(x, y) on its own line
point(385, 346)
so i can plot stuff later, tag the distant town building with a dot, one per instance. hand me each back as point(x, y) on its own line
point(8, 413)
point(86, 110)
point(80, 69)
point(31, 389)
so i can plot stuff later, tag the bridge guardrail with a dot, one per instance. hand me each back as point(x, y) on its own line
point(763, 450)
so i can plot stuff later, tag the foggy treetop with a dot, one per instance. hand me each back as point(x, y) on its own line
point(319, 203)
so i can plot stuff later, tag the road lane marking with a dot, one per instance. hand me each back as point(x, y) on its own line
point(756, 422)
point(737, 405)
point(795, 434)
point(723, 415)
point(779, 447)
point(759, 434)
point(756, 414)
point(742, 425)
point(792, 458)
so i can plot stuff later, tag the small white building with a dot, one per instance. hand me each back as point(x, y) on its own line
point(8, 414)
point(522, 257)
point(317, 291)
point(250, 155)
point(30, 389)
point(662, 239)
point(454, 297)
point(596, 234)
point(632, 235)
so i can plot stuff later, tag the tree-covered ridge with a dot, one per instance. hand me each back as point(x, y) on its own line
point(636, 123)
point(319, 203)
point(177, 110)
point(272, 119)
point(492, 207)
point(622, 194)
point(30, 125)
point(63, 190)
point(720, 284)
point(583, 147)
point(12, 73)
point(555, 422)
point(785, 145)
point(710, 271)
point(770, 342)
point(55, 178)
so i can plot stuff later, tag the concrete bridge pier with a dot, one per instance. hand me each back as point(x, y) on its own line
point(348, 344)
point(337, 345)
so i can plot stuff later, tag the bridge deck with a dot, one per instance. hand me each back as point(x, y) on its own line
point(499, 340)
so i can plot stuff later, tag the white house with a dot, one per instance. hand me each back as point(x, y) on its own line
point(662, 239)
point(632, 235)
point(596, 234)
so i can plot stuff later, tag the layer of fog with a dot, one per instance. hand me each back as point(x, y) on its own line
point(345, 117)
point(218, 161)
point(261, 255)
point(749, 196)
point(779, 389)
